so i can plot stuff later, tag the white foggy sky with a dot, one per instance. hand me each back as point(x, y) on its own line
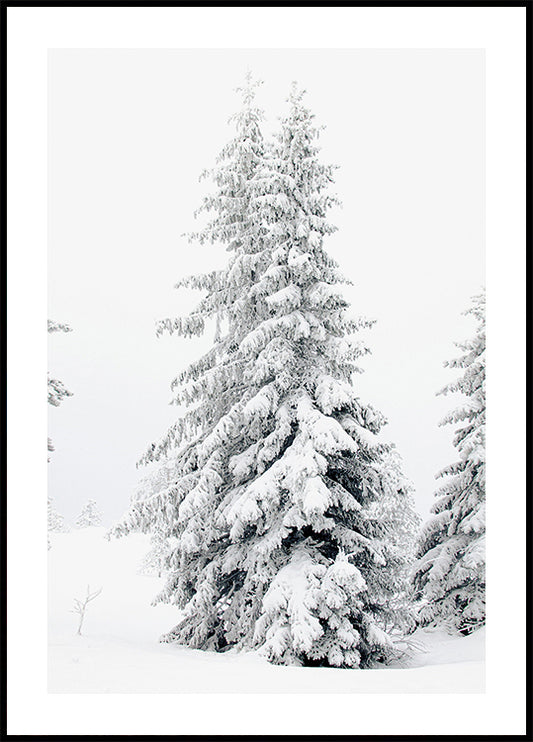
point(129, 134)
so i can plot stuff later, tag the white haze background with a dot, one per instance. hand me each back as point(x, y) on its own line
point(129, 134)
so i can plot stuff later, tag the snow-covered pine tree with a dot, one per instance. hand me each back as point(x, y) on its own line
point(284, 501)
point(449, 575)
point(396, 508)
point(56, 393)
point(56, 389)
point(154, 563)
point(56, 522)
point(89, 516)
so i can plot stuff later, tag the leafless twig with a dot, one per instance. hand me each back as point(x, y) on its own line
point(80, 606)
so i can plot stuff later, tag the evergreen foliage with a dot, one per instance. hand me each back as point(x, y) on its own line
point(56, 522)
point(154, 563)
point(449, 575)
point(56, 389)
point(89, 516)
point(56, 393)
point(289, 519)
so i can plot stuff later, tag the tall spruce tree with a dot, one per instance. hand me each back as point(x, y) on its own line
point(449, 575)
point(282, 501)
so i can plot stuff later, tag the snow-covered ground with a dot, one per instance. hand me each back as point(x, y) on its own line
point(119, 650)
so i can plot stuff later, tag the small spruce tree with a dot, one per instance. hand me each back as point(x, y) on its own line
point(449, 574)
point(155, 561)
point(89, 516)
point(56, 522)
